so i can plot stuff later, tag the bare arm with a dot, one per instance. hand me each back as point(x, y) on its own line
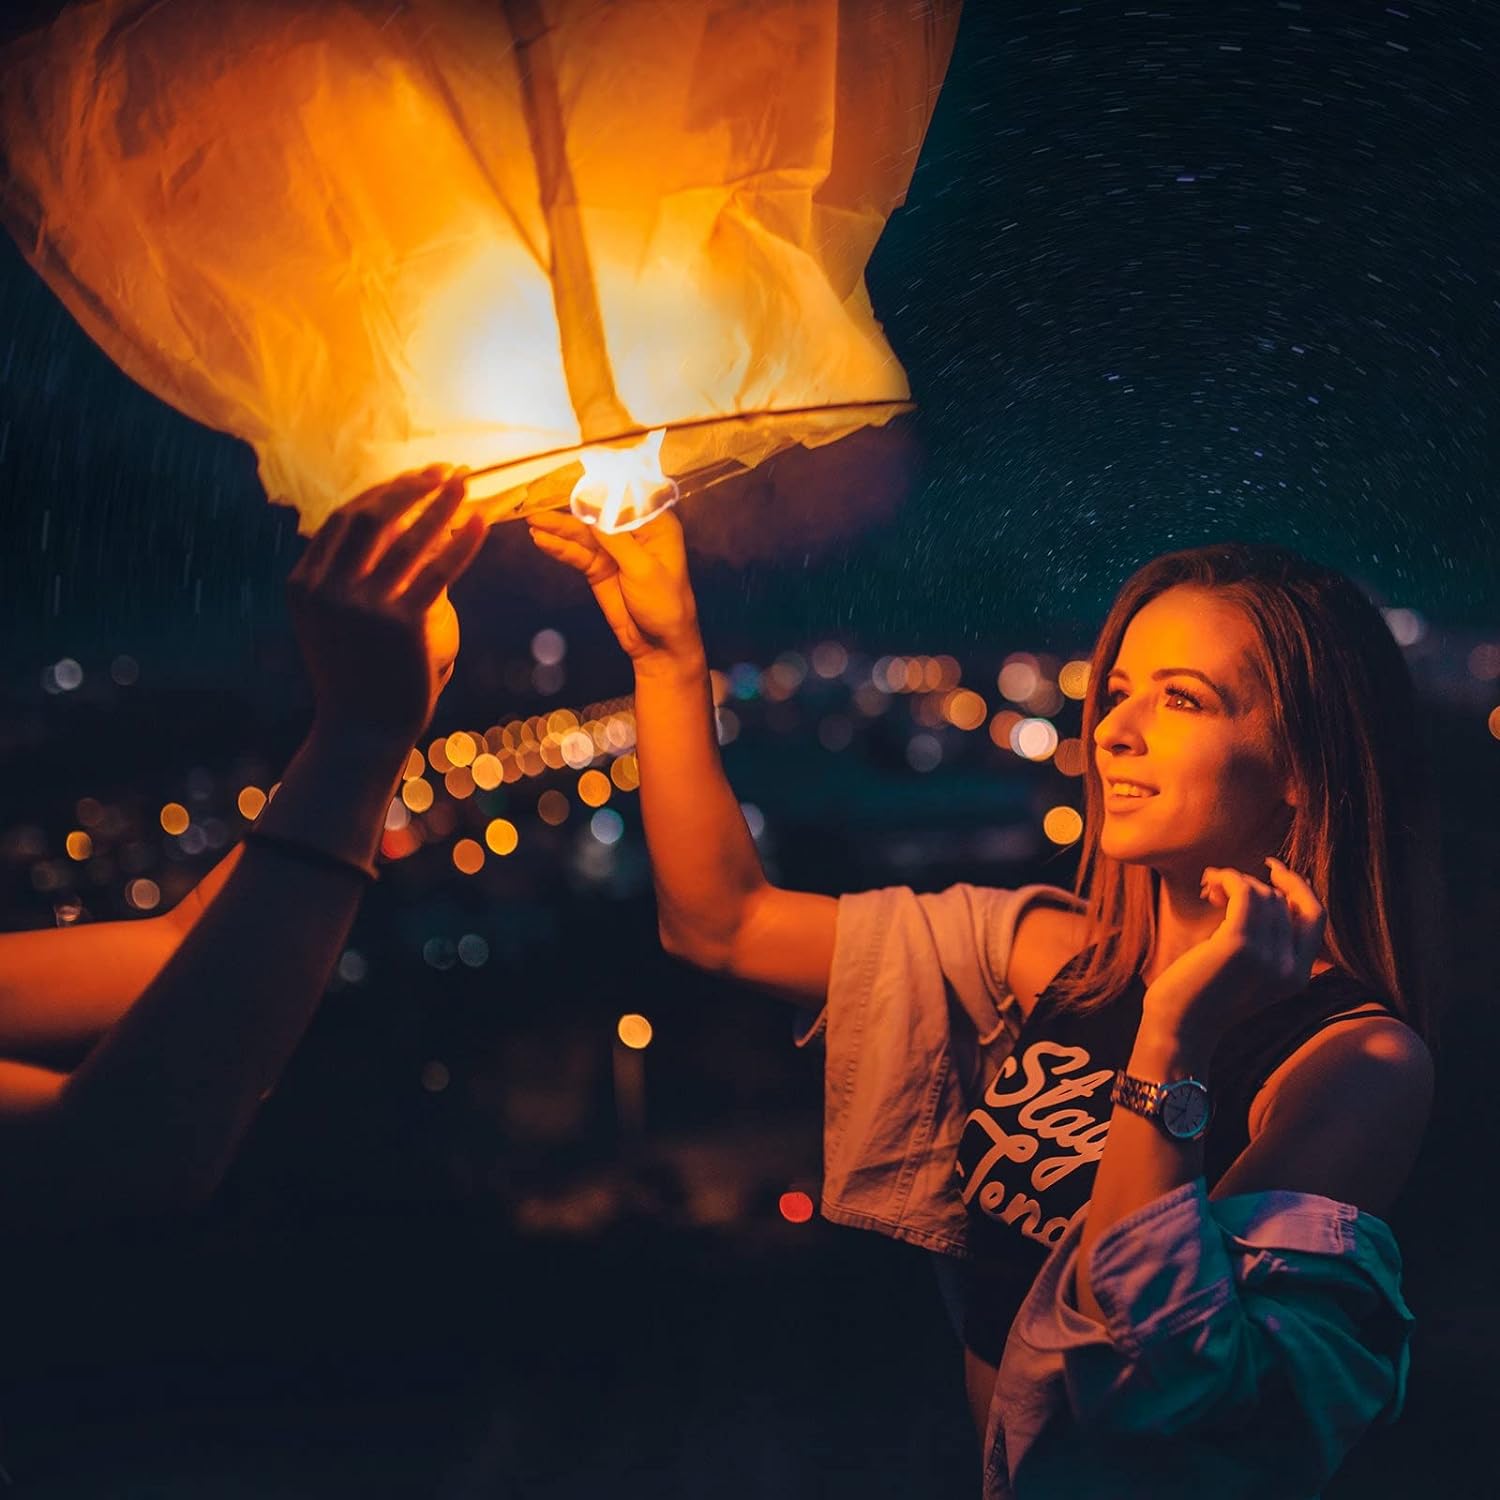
point(152, 1116)
point(715, 907)
point(61, 988)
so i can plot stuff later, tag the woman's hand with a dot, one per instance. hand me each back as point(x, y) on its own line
point(370, 605)
point(1263, 950)
point(640, 579)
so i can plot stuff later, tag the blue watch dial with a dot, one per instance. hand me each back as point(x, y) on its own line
point(1184, 1109)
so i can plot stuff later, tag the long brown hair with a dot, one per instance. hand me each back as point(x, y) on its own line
point(1344, 707)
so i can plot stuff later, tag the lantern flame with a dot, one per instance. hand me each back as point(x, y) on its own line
point(623, 488)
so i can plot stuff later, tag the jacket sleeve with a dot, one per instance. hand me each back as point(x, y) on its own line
point(917, 1008)
point(1217, 1311)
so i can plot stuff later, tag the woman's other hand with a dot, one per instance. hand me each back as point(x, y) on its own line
point(640, 579)
point(1263, 950)
point(370, 605)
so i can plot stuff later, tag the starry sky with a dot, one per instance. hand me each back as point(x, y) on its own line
point(1167, 273)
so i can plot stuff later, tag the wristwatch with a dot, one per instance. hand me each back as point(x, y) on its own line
point(1181, 1107)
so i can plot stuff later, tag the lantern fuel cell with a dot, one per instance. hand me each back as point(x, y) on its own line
point(526, 237)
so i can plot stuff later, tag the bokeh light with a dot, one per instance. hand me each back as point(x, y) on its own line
point(607, 826)
point(143, 894)
point(1073, 680)
point(635, 1031)
point(594, 789)
point(174, 818)
point(487, 772)
point(795, 1207)
point(417, 794)
point(468, 857)
point(460, 748)
point(552, 808)
point(79, 845)
point(251, 801)
point(1063, 825)
point(1035, 739)
point(965, 709)
point(501, 836)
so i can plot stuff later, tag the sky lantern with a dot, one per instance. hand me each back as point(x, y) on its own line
point(599, 254)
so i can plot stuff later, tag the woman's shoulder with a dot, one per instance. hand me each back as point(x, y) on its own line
point(1047, 936)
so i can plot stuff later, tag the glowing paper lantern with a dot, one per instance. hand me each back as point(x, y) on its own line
point(365, 237)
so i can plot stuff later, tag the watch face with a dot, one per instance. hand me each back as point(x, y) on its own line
point(1184, 1109)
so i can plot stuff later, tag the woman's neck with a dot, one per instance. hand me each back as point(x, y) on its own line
point(1183, 920)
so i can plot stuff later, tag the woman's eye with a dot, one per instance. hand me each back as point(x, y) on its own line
point(1177, 692)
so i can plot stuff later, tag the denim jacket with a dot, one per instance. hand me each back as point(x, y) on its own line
point(1248, 1341)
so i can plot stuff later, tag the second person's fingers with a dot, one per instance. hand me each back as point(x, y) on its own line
point(448, 565)
point(408, 551)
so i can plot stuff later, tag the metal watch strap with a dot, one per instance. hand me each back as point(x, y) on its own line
point(1137, 1095)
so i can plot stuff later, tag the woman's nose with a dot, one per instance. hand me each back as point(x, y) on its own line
point(1117, 730)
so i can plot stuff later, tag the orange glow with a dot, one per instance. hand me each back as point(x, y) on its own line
point(468, 857)
point(437, 756)
point(560, 721)
point(512, 237)
point(397, 843)
point(1071, 758)
point(460, 749)
point(174, 818)
point(1494, 721)
point(796, 1208)
point(625, 773)
point(487, 772)
point(623, 487)
point(594, 789)
point(143, 895)
point(552, 808)
point(415, 765)
point(501, 836)
point(79, 845)
point(635, 1031)
point(459, 783)
point(1062, 825)
point(250, 802)
point(1074, 680)
point(965, 709)
point(1002, 726)
point(417, 794)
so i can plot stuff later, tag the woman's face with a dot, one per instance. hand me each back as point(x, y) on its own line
point(1187, 749)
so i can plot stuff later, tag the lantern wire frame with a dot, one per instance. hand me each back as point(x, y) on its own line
point(552, 490)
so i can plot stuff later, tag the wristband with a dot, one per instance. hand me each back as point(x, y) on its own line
point(310, 854)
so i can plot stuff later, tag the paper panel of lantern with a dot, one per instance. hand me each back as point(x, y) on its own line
point(366, 237)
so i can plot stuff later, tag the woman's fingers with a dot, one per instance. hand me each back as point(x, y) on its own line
point(576, 554)
point(448, 565)
point(563, 524)
point(409, 549)
point(1309, 919)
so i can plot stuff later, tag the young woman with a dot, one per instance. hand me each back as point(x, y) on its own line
point(188, 1018)
point(1157, 1121)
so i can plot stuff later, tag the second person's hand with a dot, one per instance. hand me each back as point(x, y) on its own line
point(640, 579)
point(370, 605)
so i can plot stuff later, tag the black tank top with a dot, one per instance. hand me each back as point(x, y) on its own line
point(1029, 1150)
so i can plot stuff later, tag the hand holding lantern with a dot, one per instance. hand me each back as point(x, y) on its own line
point(640, 579)
point(370, 605)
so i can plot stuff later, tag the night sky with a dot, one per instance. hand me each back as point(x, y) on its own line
point(1166, 274)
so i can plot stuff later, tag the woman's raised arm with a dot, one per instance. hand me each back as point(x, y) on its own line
point(715, 907)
